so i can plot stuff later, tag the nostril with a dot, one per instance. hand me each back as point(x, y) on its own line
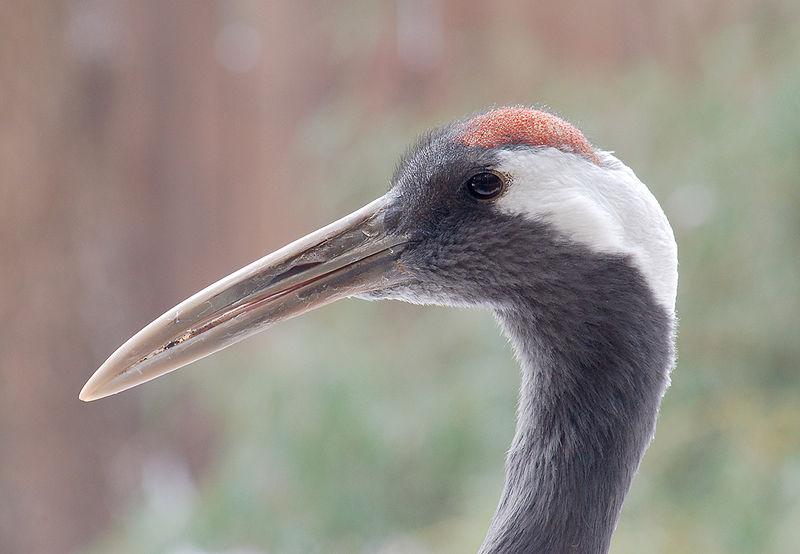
point(292, 271)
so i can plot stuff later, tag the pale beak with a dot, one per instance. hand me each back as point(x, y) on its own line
point(354, 255)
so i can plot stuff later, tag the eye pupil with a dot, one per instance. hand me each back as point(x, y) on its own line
point(485, 185)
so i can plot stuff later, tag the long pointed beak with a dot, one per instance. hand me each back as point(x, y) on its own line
point(354, 255)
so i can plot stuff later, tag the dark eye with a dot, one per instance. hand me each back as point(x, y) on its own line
point(485, 185)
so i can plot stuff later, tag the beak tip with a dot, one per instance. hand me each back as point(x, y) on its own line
point(92, 390)
point(87, 394)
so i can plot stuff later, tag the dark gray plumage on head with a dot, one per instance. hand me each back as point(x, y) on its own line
point(511, 210)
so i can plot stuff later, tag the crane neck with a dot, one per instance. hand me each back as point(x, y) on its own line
point(593, 374)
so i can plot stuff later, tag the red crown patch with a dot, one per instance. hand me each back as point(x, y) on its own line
point(517, 125)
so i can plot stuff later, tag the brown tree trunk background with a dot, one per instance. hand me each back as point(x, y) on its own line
point(125, 159)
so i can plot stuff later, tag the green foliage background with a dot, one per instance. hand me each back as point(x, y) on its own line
point(382, 427)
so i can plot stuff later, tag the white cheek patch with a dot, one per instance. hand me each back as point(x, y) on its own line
point(603, 207)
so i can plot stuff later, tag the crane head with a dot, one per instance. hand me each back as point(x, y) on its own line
point(507, 202)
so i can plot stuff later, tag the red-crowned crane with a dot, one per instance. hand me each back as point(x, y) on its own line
point(514, 211)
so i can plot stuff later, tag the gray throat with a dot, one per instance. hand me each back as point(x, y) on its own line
point(593, 374)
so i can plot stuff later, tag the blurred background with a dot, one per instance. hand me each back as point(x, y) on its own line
point(149, 147)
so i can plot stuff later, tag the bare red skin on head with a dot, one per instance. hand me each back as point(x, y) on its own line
point(516, 125)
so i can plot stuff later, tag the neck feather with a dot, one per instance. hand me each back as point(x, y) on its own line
point(593, 374)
